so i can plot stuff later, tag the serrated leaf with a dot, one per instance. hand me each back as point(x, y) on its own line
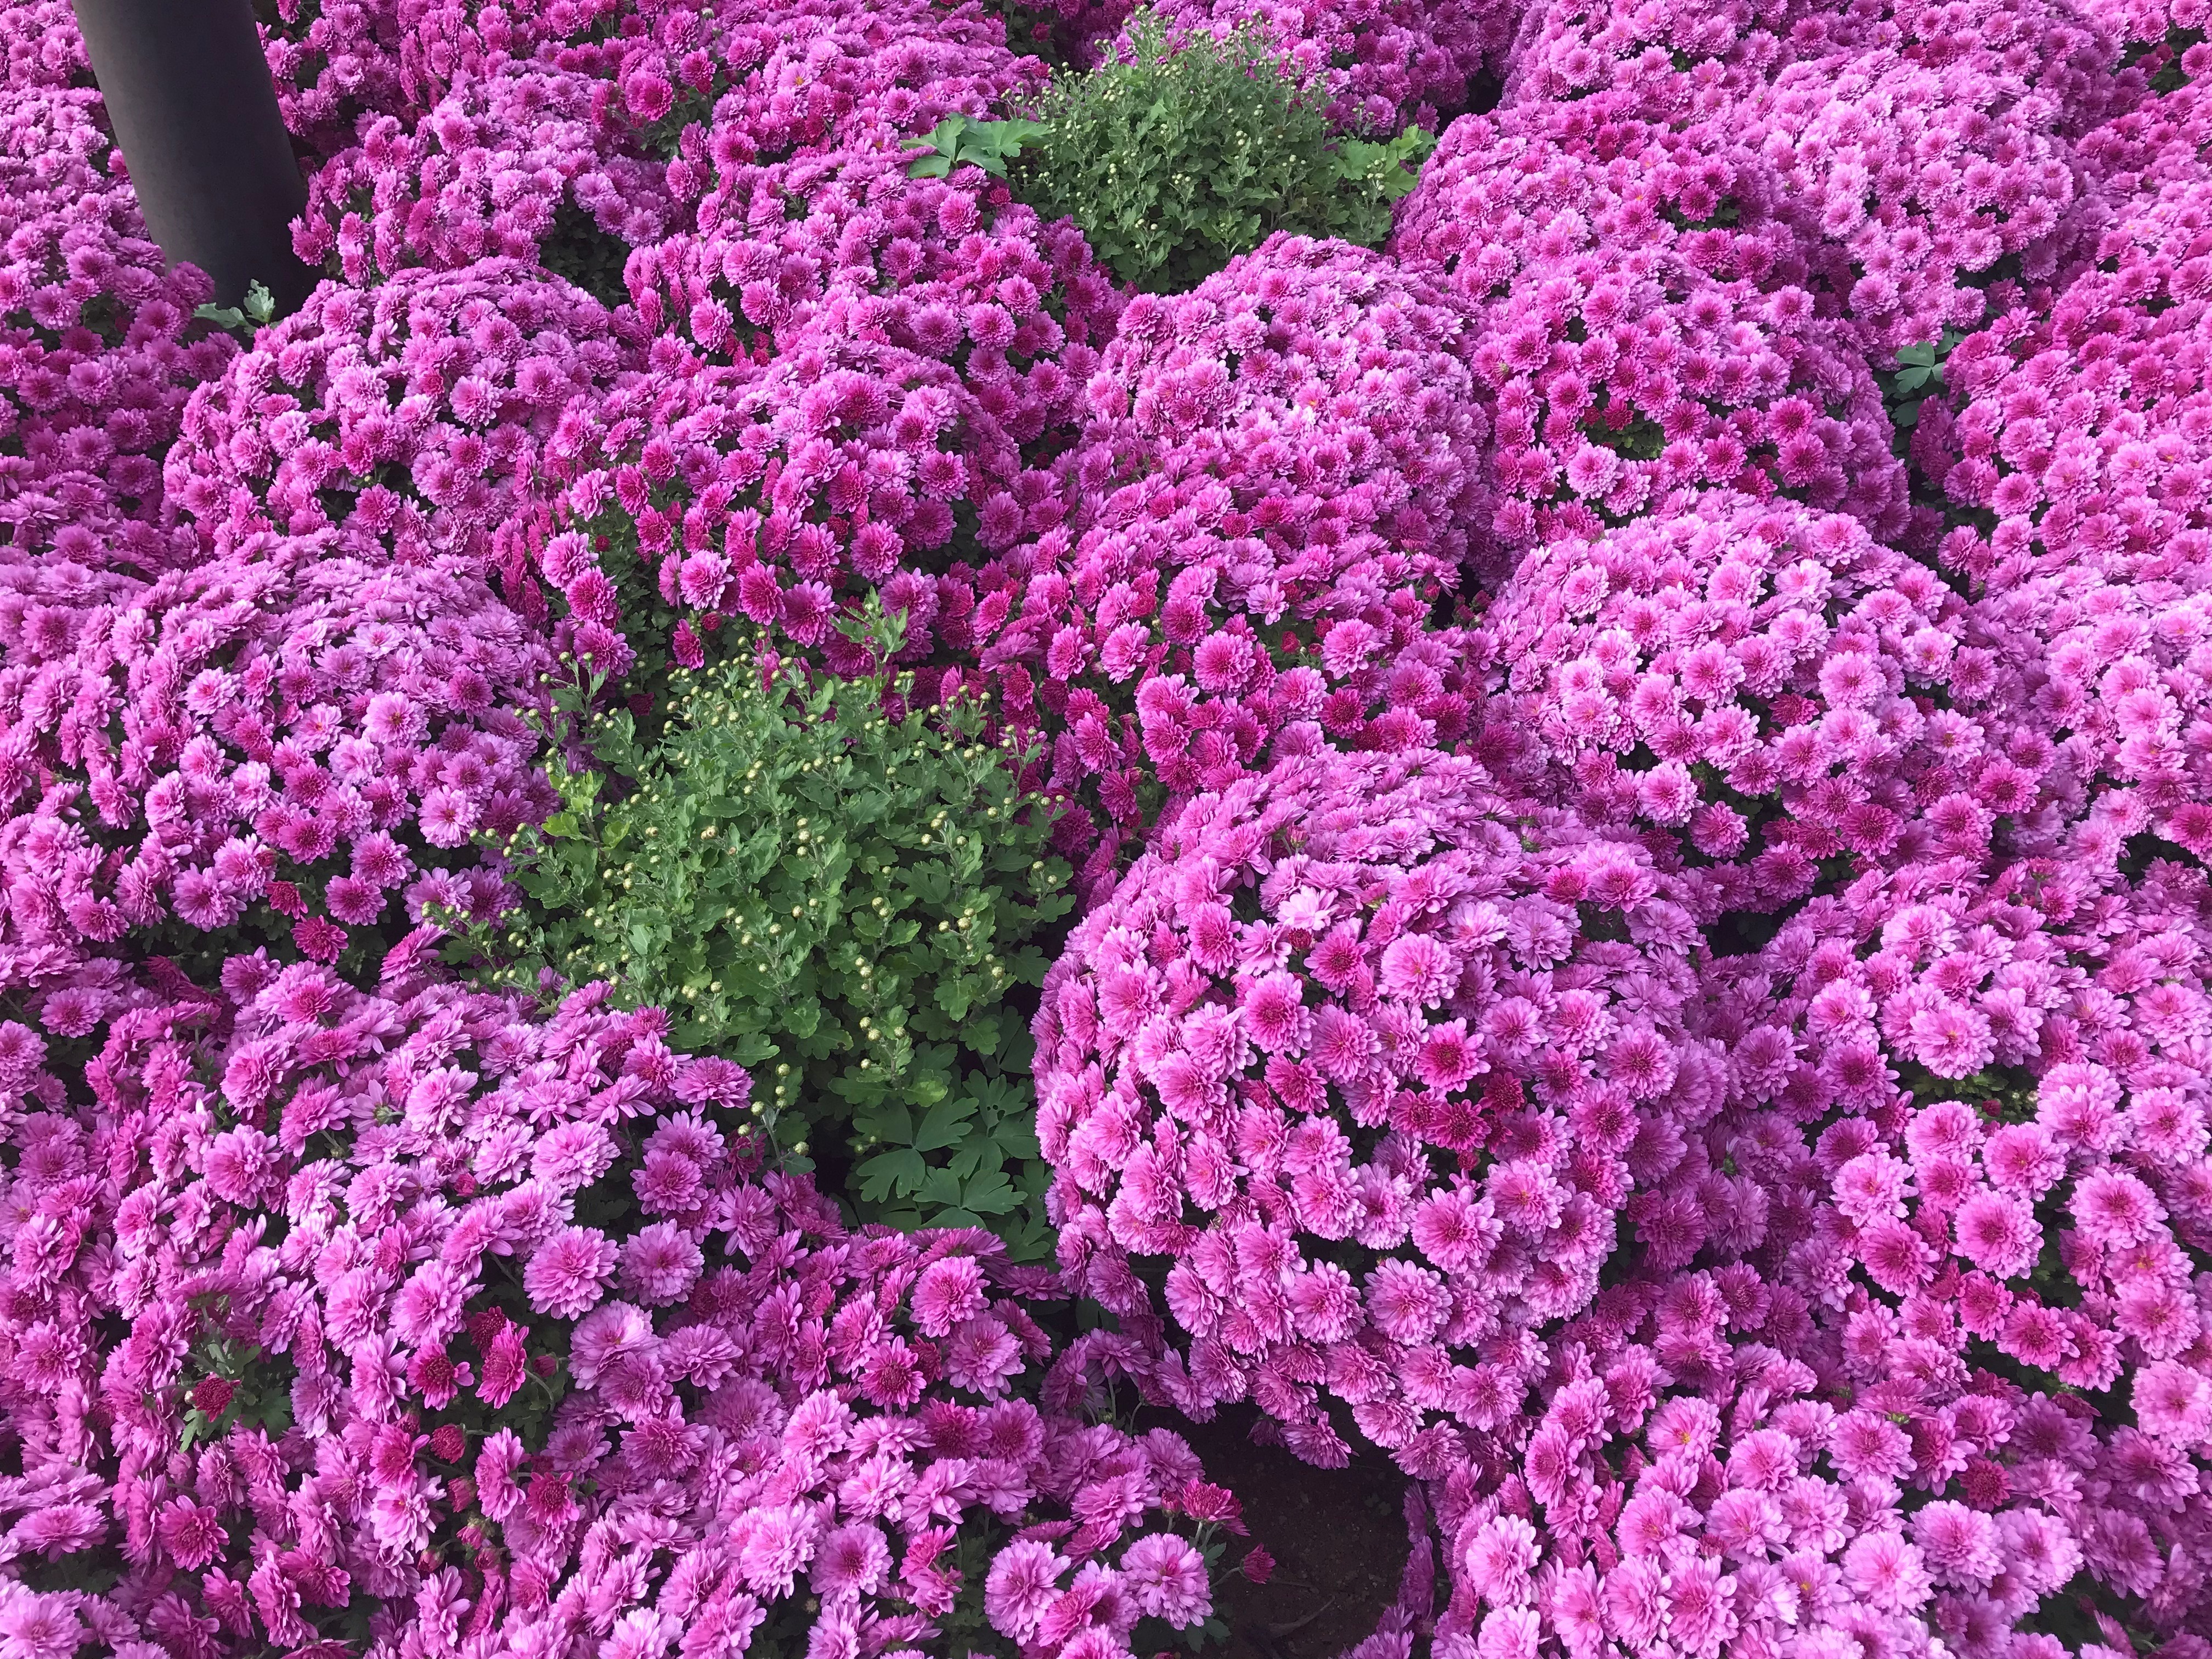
point(938, 1188)
point(944, 1124)
point(1016, 1136)
point(753, 1048)
point(898, 1170)
point(892, 1123)
point(989, 1193)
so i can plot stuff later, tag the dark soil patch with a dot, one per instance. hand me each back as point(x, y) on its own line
point(1337, 1537)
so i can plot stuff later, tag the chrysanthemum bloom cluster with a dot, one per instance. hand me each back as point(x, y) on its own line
point(1625, 381)
point(627, 134)
point(1371, 1059)
point(1915, 149)
point(2165, 32)
point(334, 61)
point(434, 414)
point(1697, 1477)
point(970, 277)
point(1303, 454)
point(337, 63)
point(2152, 144)
point(1751, 682)
point(1698, 58)
point(1908, 186)
point(2002, 1110)
point(2070, 54)
point(2107, 678)
point(98, 348)
point(41, 46)
point(490, 171)
point(1072, 31)
point(502, 1374)
point(2080, 438)
point(783, 494)
point(285, 726)
point(821, 76)
point(1666, 61)
point(1507, 193)
point(1384, 63)
point(443, 43)
point(897, 432)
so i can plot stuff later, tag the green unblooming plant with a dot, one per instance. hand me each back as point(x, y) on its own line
point(1185, 150)
point(838, 899)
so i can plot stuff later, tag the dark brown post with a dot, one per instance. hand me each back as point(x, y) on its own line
point(195, 111)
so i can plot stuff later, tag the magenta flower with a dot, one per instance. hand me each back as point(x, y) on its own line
point(850, 1561)
point(948, 1293)
point(1167, 1579)
point(1022, 1583)
point(567, 1273)
point(191, 1533)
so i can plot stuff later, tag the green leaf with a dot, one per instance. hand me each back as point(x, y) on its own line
point(944, 1124)
point(989, 1193)
point(753, 1048)
point(900, 1171)
point(1016, 1135)
point(892, 1123)
point(939, 1188)
point(954, 995)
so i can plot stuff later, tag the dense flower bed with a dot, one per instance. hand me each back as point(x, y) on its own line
point(1738, 683)
point(1639, 765)
point(101, 349)
point(299, 729)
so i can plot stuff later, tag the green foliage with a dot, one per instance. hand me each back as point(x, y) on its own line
point(2165, 72)
point(1186, 151)
point(1919, 376)
point(258, 310)
point(261, 1392)
point(1629, 434)
point(960, 140)
point(835, 899)
point(577, 251)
